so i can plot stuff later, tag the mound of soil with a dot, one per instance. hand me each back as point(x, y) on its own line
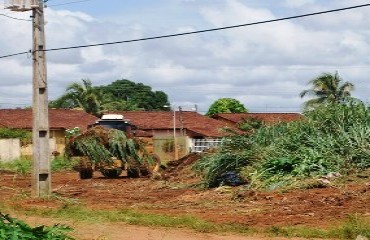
point(180, 170)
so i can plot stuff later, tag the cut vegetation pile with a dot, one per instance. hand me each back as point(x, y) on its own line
point(331, 139)
point(110, 151)
point(100, 144)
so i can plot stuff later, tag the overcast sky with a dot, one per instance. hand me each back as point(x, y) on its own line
point(264, 66)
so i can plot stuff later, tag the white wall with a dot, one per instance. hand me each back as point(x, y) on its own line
point(10, 149)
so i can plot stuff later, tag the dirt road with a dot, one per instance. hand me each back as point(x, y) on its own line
point(118, 231)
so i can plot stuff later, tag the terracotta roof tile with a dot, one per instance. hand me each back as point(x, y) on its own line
point(192, 121)
point(58, 118)
point(268, 118)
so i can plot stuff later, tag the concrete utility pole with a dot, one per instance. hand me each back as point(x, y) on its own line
point(40, 129)
point(176, 150)
point(41, 176)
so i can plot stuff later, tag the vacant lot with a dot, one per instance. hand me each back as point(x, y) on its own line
point(317, 207)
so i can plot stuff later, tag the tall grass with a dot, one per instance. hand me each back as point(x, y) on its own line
point(20, 166)
point(334, 138)
point(23, 165)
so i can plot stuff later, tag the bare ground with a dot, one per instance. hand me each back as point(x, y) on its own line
point(318, 207)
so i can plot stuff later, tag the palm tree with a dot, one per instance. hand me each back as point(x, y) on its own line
point(83, 96)
point(327, 88)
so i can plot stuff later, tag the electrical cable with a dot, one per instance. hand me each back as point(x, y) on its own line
point(207, 30)
point(20, 19)
point(15, 54)
point(197, 32)
point(68, 3)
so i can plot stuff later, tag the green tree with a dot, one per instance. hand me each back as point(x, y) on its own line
point(83, 96)
point(327, 88)
point(110, 104)
point(121, 95)
point(226, 105)
point(136, 96)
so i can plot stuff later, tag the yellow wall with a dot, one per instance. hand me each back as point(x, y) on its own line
point(57, 143)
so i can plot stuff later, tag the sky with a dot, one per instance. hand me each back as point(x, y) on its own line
point(264, 66)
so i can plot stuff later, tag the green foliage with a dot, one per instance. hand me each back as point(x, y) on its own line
point(226, 105)
point(23, 165)
point(334, 138)
point(72, 132)
point(83, 96)
point(90, 146)
point(20, 166)
point(24, 135)
point(121, 95)
point(133, 96)
point(327, 89)
point(350, 229)
point(100, 145)
point(229, 158)
point(250, 124)
point(11, 228)
point(354, 226)
point(60, 163)
point(80, 213)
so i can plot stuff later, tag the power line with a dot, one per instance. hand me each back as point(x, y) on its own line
point(68, 3)
point(197, 32)
point(20, 19)
point(208, 30)
point(15, 54)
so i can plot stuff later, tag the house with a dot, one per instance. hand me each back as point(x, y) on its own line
point(59, 121)
point(189, 123)
point(193, 131)
point(233, 119)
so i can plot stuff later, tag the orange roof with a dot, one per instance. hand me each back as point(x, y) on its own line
point(58, 118)
point(191, 121)
point(268, 118)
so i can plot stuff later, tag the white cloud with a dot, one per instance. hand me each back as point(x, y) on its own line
point(298, 3)
point(264, 66)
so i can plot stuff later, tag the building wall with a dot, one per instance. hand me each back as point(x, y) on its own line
point(26, 151)
point(60, 140)
point(9, 149)
point(164, 147)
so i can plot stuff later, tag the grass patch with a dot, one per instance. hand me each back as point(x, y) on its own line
point(82, 214)
point(23, 165)
point(61, 163)
point(20, 166)
point(355, 225)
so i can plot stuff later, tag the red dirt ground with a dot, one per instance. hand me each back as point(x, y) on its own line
point(310, 207)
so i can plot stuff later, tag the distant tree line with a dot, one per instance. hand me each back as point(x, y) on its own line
point(121, 95)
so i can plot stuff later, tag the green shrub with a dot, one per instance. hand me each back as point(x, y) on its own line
point(11, 228)
point(334, 138)
point(21, 166)
point(60, 163)
point(24, 136)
